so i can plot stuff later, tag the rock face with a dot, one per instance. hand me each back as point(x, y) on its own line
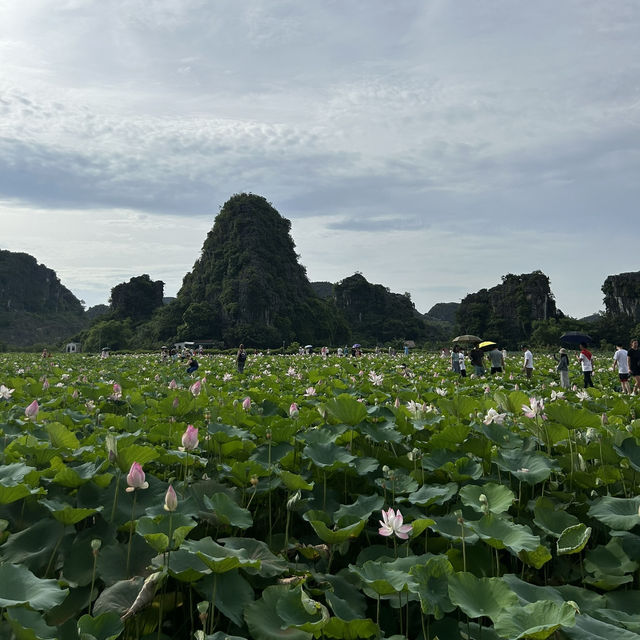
point(375, 314)
point(35, 308)
point(622, 295)
point(248, 286)
point(505, 313)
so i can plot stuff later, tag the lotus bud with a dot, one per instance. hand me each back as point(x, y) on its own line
point(96, 543)
point(293, 410)
point(603, 419)
point(190, 438)
point(170, 499)
point(246, 403)
point(32, 410)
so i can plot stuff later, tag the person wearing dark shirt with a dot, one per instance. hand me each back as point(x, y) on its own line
point(476, 356)
point(193, 365)
point(241, 358)
point(633, 357)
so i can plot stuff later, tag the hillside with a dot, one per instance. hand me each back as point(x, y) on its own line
point(35, 308)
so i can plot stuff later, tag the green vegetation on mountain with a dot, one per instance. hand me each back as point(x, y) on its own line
point(507, 312)
point(445, 311)
point(35, 308)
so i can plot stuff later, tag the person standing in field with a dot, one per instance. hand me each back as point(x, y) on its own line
point(455, 359)
point(476, 356)
point(463, 366)
point(527, 364)
point(621, 362)
point(563, 368)
point(241, 358)
point(497, 360)
point(633, 359)
point(586, 362)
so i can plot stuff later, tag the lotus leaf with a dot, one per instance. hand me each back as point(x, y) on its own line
point(479, 597)
point(263, 620)
point(433, 494)
point(106, 626)
point(573, 539)
point(501, 533)
point(535, 621)
point(431, 585)
point(19, 586)
point(347, 409)
point(226, 511)
point(497, 497)
point(617, 513)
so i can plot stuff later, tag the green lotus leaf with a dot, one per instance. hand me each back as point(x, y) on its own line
point(497, 497)
point(459, 406)
point(156, 531)
point(433, 494)
point(67, 514)
point(529, 467)
point(328, 455)
point(233, 593)
point(118, 597)
point(535, 621)
point(551, 519)
point(572, 417)
point(61, 437)
point(17, 492)
point(364, 465)
point(450, 437)
point(346, 601)
point(296, 609)
point(400, 483)
point(263, 620)
point(354, 628)
point(479, 597)
point(218, 558)
point(294, 482)
point(30, 625)
point(73, 477)
point(610, 565)
point(464, 469)
point(185, 566)
point(536, 558)
point(381, 578)
point(270, 564)
point(630, 450)
point(227, 511)
point(34, 545)
point(381, 431)
point(504, 534)
point(19, 586)
point(573, 539)
point(361, 509)
point(617, 513)
point(449, 527)
point(589, 628)
point(135, 453)
point(13, 474)
point(346, 409)
point(431, 585)
point(106, 626)
point(220, 635)
point(336, 536)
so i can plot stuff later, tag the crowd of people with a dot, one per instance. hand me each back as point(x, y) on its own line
point(625, 361)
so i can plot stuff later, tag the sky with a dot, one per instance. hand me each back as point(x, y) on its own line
point(431, 145)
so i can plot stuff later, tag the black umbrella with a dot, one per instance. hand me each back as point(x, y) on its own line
point(575, 337)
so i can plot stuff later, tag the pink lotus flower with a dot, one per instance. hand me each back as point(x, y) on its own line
point(391, 524)
point(293, 410)
point(396, 404)
point(196, 388)
point(32, 410)
point(135, 478)
point(173, 385)
point(170, 499)
point(175, 403)
point(246, 403)
point(75, 394)
point(190, 438)
point(45, 384)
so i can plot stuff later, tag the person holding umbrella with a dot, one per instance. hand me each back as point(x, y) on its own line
point(476, 356)
point(586, 362)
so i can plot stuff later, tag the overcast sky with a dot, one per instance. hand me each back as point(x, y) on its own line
point(432, 145)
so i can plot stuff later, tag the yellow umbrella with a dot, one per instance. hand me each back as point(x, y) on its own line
point(486, 344)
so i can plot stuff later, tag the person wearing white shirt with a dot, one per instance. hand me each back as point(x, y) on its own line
point(621, 361)
point(527, 365)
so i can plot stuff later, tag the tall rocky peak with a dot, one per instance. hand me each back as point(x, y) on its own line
point(28, 286)
point(622, 295)
point(374, 313)
point(247, 284)
point(505, 313)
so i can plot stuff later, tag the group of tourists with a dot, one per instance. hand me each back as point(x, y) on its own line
point(625, 361)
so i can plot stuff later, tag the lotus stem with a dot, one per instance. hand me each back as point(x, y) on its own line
point(131, 526)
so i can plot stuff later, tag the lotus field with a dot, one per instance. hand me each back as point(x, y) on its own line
point(371, 497)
